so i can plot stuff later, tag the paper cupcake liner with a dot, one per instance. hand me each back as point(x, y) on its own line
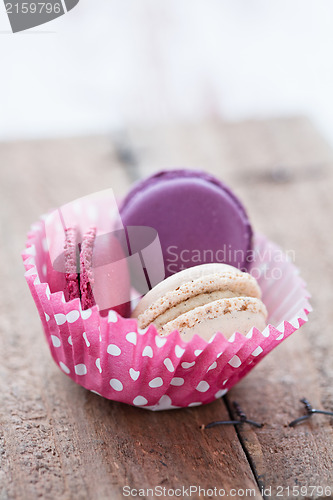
point(112, 357)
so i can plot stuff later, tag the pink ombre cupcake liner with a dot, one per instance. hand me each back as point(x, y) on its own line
point(112, 357)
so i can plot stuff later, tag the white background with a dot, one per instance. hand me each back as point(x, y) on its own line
point(108, 63)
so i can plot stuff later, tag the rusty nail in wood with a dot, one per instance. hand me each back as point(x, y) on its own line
point(242, 419)
point(309, 412)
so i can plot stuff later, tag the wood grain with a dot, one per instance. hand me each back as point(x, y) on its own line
point(283, 171)
point(57, 440)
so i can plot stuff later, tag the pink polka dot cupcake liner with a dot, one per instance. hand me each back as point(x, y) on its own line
point(111, 356)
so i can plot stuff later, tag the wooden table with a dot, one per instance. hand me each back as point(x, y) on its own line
point(59, 441)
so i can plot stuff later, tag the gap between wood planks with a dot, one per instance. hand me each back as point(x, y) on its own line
point(81, 445)
point(282, 170)
point(128, 157)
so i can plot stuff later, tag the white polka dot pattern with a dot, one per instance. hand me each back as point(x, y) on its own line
point(116, 384)
point(112, 317)
point(112, 357)
point(156, 382)
point(258, 350)
point(98, 364)
point(179, 351)
point(203, 386)
point(131, 337)
point(168, 363)
point(86, 314)
point(235, 362)
point(95, 392)
point(64, 367)
point(70, 317)
point(55, 341)
point(221, 393)
point(114, 350)
point(147, 351)
point(140, 401)
point(177, 381)
point(134, 374)
point(187, 365)
point(84, 335)
point(80, 369)
point(142, 331)
point(160, 341)
point(212, 366)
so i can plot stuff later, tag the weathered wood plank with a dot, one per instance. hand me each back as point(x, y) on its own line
point(58, 440)
point(282, 170)
point(300, 212)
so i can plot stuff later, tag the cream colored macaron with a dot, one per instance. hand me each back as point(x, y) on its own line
point(204, 300)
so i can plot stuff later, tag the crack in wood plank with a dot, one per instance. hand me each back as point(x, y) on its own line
point(90, 447)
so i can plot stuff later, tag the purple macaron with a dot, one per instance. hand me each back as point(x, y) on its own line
point(198, 219)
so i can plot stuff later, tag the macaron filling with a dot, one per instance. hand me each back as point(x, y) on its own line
point(224, 315)
point(203, 301)
point(189, 304)
point(196, 293)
